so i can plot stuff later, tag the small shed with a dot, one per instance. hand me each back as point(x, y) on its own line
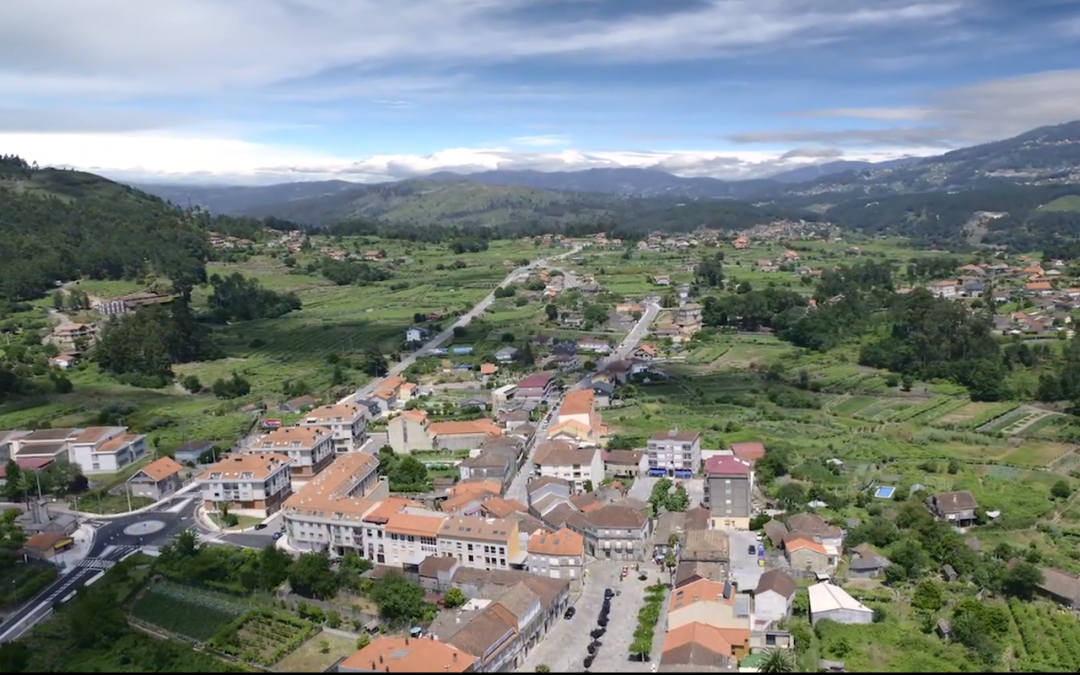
point(948, 573)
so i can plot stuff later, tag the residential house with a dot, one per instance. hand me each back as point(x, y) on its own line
point(577, 465)
point(190, 452)
point(1039, 288)
point(511, 419)
point(689, 572)
point(327, 512)
point(311, 449)
point(623, 463)
point(715, 604)
point(487, 371)
point(104, 449)
point(298, 404)
point(646, 352)
point(558, 555)
point(436, 572)
point(616, 532)
point(543, 340)
point(813, 527)
point(258, 483)
point(74, 337)
point(156, 480)
point(729, 489)
point(488, 466)
point(387, 654)
point(572, 320)
point(698, 648)
point(604, 392)
point(388, 393)
point(401, 533)
point(688, 314)
point(412, 430)
point(594, 345)
point(564, 362)
point(545, 487)
point(535, 387)
point(506, 354)
point(347, 423)
point(45, 445)
point(63, 361)
point(807, 555)
point(416, 334)
point(774, 596)
point(944, 289)
point(866, 562)
point(835, 604)
point(466, 498)
point(661, 280)
point(670, 525)
point(675, 454)
point(483, 543)
point(957, 508)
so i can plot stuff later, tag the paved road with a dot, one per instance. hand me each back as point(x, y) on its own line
point(627, 346)
point(111, 543)
point(463, 320)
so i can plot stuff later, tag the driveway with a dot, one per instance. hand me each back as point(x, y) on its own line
point(745, 570)
point(564, 649)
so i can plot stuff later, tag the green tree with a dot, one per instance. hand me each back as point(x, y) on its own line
point(400, 601)
point(192, 384)
point(454, 598)
point(1061, 490)
point(274, 566)
point(12, 536)
point(658, 497)
point(363, 641)
point(350, 570)
point(551, 311)
point(791, 495)
point(312, 577)
point(928, 596)
point(1022, 579)
point(777, 660)
point(678, 500)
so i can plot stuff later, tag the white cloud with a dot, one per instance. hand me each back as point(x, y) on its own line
point(541, 140)
point(159, 157)
point(135, 48)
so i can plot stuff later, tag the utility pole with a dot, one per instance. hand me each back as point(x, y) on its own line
point(127, 489)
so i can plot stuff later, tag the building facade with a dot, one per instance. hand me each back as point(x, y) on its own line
point(327, 513)
point(347, 423)
point(674, 454)
point(481, 543)
point(311, 449)
point(729, 487)
point(259, 483)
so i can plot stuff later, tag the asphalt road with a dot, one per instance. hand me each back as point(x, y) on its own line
point(462, 321)
point(111, 544)
point(627, 346)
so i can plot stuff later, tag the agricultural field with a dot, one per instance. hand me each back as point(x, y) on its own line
point(187, 612)
point(310, 657)
point(262, 638)
point(1050, 637)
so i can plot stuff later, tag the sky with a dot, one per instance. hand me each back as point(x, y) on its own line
point(270, 91)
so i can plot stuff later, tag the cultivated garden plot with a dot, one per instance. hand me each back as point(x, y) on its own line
point(187, 612)
point(262, 638)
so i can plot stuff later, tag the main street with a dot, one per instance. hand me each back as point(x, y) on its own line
point(113, 539)
point(626, 347)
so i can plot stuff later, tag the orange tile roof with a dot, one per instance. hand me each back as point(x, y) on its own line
point(483, 529)
point(415, 524)
point(295, 437)
point(415, 415)
point(162, 468)
point(407, 386)
point(345, 412)
point(478, 487)
point(488, 369)
point(702, 590)
point(388, 507)
point(799, 543)
point(329, 490)
point(752, 451)
point(409, 655)
point(259, 465)
point(118, 443)
point(92, 434)
point(702, 634)
point(578, 402)
point(1039, 286)
point(501, 508)
point(465, 428)
point(385, 394)
point(565, 542)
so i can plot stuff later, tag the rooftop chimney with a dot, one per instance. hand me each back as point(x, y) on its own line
point(373, 665)
point(455, 656)
point(406, 639)
point(380, 658)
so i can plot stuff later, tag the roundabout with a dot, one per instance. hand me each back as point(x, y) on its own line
point(144, 528)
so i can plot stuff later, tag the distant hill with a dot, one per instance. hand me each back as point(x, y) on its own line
point(238, 199)
point(809, 173)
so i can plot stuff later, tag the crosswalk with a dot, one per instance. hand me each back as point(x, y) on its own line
point(96, 563)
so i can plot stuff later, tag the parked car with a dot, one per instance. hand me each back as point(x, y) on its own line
point(751, 549)
point(260, 526)
point(278, 535)
point(570, 611)
point(609, 592)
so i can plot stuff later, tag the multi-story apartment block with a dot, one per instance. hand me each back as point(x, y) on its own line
point(558, 555)
point(347, 423)
point(674, 453)
point(259, 483)
point(482, 543)
point(311, 449)
point(401, 533)
point(729, 486)
point(412, 430)
point(94, 449)
point(562, 459)
point(616, 532)
point(327, 513)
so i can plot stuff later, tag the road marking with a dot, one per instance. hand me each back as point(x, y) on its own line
point(95, 564)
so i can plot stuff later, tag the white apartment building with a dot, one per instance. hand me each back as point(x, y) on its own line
point(311, 449)
point(558, 555)
point(258, 483)
point(327, 513)
point(562, 459)
point(482, 543)
point(401, 533)
point(347, 423)
point(106, 449)
point(674, 453)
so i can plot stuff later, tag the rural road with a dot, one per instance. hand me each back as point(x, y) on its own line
point(463, 320)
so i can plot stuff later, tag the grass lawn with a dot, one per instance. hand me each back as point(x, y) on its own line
point(309, 657)
point(1066, 203)
point(109, 504)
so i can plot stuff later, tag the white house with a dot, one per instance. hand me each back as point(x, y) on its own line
point(311, 449)
point(774, 596)
point(258, 483)
point(347, 423)
point(400, 532)
point(561, 459)
point(834, 603)
point(106, 449)
point(416, 334)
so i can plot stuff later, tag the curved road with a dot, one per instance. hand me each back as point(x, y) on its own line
point(110, 545)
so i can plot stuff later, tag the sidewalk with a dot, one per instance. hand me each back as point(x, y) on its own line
point(84, 541)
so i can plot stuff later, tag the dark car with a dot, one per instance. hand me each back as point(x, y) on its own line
point(260, 526)
point(570, 611)
point(278, 535)
point(751, 549)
